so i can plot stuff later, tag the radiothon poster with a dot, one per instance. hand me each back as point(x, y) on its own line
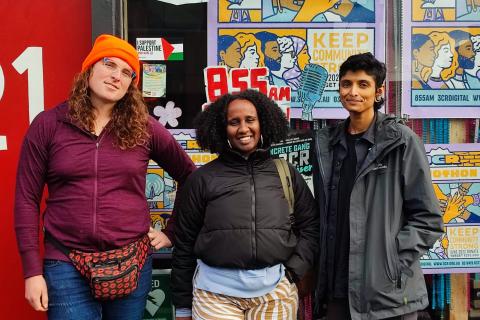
point(441, 59)
point(455, 171)
point(160, 188)
point(302, 43)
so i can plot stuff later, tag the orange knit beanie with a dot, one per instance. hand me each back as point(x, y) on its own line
point(110, 46)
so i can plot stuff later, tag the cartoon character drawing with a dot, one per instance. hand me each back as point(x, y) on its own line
point(465, 55)
point(423, 56)
point(270, 50)
point(250, 49)
point(287, 61)
point(445, 62)
point(293, 75)
point(472, 75)
point(229, 53)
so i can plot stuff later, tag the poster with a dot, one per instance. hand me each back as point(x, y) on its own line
point(455, 171)
point(302, 43)
point(158, 49)
point(154, 80)
point(441, 59)
point(298, 150)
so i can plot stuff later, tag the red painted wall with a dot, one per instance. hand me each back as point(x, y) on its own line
point(62, 29)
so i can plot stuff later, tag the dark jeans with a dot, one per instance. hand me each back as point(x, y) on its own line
point(338, 309)
point(69, 296)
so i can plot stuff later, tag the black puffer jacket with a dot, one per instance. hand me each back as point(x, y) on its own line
point(234, 215)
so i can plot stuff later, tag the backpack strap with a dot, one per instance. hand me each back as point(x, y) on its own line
point(286, 179)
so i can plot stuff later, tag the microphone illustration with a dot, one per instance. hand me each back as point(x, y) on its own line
point(312, 84)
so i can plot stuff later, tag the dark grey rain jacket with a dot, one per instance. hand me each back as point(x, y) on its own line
point(394, 219)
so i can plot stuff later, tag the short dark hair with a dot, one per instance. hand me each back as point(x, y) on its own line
point(459, 36)
point(418, 40)
point(224, 42)
point(368, 63)
point(264, 37)
point(211, 124)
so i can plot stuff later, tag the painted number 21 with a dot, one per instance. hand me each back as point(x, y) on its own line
point(29, 60)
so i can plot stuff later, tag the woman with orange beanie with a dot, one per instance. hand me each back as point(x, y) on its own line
point(92, 153)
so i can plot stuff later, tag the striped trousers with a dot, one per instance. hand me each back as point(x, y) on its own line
point(279, 304)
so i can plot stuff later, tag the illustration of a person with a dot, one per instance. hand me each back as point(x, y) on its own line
point(445, 61)
point(229, 51)
point(287, 61)
point(465, 54)
point(468, 10)
point(252, 56)
point(303, 57)
point(270, 49)
point(423, 56)
point(472, 76)
point(300, 50)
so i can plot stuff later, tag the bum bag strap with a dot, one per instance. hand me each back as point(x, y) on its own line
point(50, 238)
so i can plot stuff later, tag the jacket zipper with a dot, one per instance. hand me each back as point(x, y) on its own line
point(252, 190)
point(361, 174)
point(322, 174)
point(323, 219)
point(95, 186)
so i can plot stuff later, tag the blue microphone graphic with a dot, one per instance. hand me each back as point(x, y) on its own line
point(312, 84)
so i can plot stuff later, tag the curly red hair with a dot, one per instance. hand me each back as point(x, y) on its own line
point(129, 122)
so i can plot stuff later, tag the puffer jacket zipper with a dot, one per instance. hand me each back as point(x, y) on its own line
point(252, 190)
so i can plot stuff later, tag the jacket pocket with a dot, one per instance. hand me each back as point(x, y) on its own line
point(393, 262)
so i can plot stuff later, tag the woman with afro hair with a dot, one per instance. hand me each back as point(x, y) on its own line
point(236, 255)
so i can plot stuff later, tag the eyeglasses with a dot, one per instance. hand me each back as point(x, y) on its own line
point(113, 67)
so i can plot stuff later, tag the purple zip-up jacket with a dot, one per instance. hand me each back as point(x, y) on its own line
point(96, 192)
